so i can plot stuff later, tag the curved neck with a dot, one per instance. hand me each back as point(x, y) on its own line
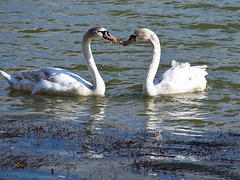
point(149, 87)
point(98, 83)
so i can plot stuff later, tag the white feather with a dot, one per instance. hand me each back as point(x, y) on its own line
point(180, 78)
point(60, 81)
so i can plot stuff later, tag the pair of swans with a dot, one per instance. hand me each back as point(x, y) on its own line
point(180, 78)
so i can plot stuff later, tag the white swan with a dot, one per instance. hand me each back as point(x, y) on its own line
point(62, 82)
point(180, 78)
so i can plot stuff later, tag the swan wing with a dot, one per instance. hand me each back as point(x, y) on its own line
point(182, 77)
point(49, 80)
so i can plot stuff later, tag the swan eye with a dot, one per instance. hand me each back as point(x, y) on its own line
point(131, 39)
point(134, 37)
point(107, 35)
point(103, 32)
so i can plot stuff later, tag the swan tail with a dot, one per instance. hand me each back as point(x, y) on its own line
point(204, 67)
point(10, 78)
point(201, 70)
point(175, 64)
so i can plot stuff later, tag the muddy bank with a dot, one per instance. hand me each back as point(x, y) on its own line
point(84, 151)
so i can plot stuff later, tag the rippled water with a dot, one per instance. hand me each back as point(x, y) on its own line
point(37, 34)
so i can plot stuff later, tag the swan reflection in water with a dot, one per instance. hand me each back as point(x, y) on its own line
point(88, 111)
point(176, 113)
point(98, 106)
point(77, 109)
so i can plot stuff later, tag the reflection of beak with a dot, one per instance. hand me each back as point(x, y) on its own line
point(129, 41)
point(108, 36)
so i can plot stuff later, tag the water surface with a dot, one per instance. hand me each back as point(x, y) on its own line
point(37, 34)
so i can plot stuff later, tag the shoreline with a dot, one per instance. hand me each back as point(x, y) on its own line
point(76, 150)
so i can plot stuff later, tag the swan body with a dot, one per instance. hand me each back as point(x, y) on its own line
point(63, 82)
point(180, 78)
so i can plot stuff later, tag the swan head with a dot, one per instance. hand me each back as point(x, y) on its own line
point(98, 32)
point(139, 34)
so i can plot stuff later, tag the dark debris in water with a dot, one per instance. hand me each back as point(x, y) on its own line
point(34, 144)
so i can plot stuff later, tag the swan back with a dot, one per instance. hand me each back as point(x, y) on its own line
point(182, 77)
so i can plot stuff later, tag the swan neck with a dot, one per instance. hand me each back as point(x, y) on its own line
point(149, 87)
point(98, 83)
